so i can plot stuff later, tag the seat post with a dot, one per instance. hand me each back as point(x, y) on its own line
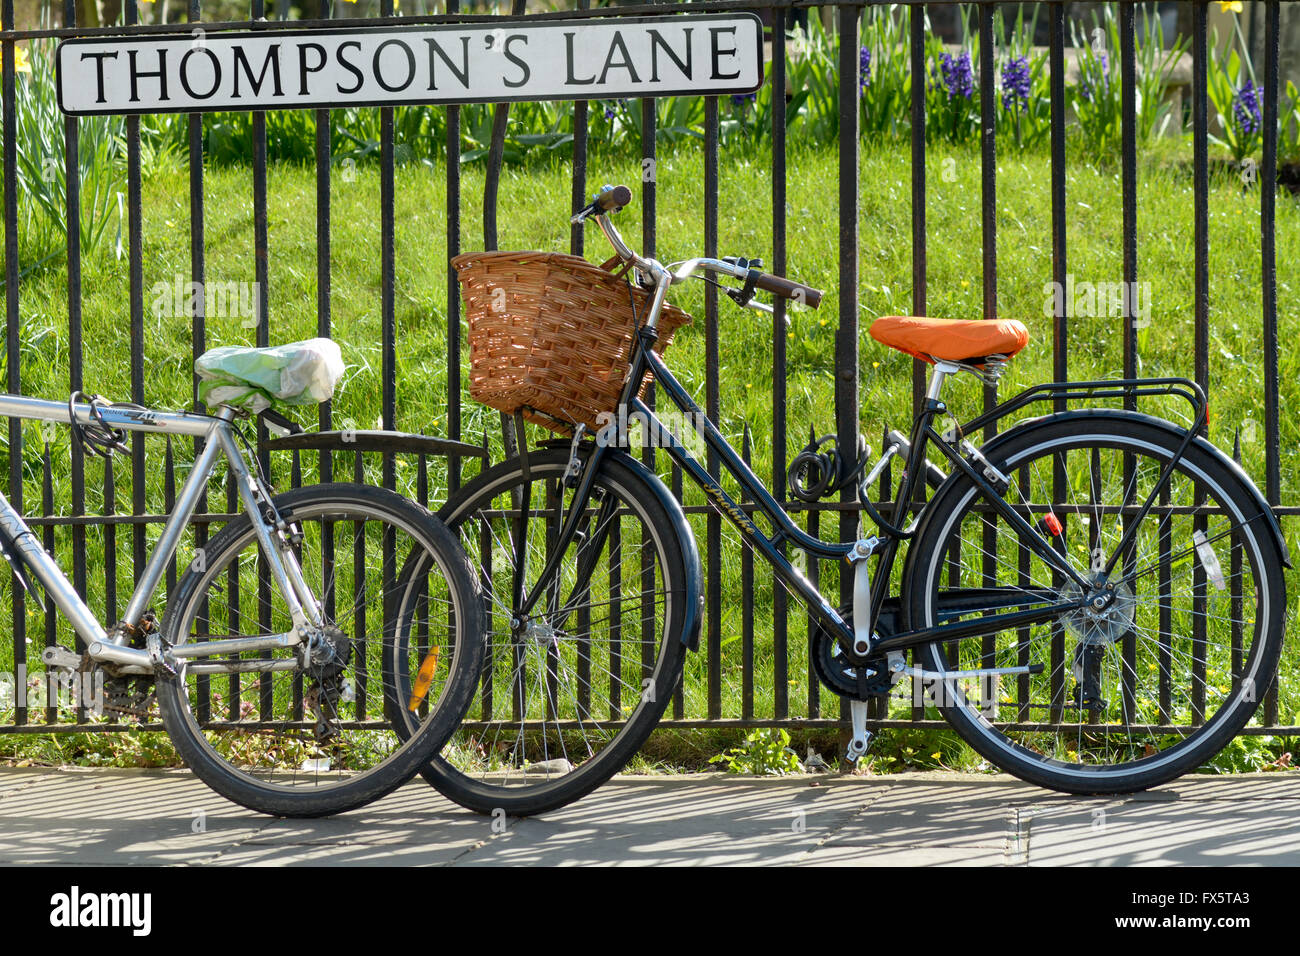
point(941, 372)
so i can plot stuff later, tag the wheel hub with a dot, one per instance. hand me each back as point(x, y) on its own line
point(1107, 614)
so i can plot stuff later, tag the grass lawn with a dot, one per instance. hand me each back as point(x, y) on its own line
point(534, 205)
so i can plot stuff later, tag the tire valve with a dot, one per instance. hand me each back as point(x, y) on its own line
point(1209, 560)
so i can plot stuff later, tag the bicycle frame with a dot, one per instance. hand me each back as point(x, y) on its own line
point(643, 359)
point(218, 437)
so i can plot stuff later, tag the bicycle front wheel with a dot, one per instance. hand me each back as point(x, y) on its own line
point(1171, 662)
point(571, 691)
point(313, 739)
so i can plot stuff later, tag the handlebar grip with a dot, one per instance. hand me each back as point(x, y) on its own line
point(787, 289)
point(612, 200)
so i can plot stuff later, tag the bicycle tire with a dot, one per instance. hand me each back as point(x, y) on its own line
point(497, 770)
point(1180, 647)
point(291, 775)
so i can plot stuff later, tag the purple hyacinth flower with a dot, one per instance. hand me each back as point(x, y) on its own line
point(958, 75)
point(1086, 89)
point(1245, 107)
point(1015, 84)
point(864, 68)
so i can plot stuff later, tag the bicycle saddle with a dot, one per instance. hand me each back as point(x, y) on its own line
point(950, 340)
point(299, 373)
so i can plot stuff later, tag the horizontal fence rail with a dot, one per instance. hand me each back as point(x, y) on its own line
point(113, 515)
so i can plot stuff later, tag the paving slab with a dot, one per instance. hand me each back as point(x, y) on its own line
point(90, 817)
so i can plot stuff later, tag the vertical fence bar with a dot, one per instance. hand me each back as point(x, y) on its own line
point(261, 265)
point(72, 216)
point(1201, 318)
point(916, 17)
point(1200, 197)
point(712, 404)
point(324, 277)
point(747, 601)
point(1056, 66)
point(1128, 175)
point(51, 614)
point(135, 259)
point(989, 271)
point(579, 163)
point(13, 377)
point(780, 614)
point(846, 336)
point(198, 337)
point(453, 287)
point(649, 212)
point(1060, 328)
point(1268, 255)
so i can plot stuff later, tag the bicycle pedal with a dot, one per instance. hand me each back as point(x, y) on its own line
point(861, 739)
point(62, 658)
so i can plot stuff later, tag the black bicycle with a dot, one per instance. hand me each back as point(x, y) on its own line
point(1093, 599)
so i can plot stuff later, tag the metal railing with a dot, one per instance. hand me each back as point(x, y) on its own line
point(26, 472)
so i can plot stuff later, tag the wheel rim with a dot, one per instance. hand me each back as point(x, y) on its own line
point(260, 726)
point(1171, 648)
point(560, 689)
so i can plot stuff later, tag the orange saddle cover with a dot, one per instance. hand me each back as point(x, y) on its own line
point(950, 340)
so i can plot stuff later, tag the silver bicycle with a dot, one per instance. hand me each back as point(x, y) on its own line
point(266, 664)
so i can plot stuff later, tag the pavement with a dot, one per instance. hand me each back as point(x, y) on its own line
point(92, 817)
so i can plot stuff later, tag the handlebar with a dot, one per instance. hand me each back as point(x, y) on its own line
point(611, 199)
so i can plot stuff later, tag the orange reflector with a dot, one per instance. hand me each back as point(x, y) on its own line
point(1053, 524)
point(423, 680)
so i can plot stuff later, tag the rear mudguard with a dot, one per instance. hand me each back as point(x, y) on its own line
point(1176, 434)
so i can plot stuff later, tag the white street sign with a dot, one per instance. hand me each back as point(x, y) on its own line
point(386, 66)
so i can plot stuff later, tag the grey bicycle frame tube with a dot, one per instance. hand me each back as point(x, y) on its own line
point(218, 437)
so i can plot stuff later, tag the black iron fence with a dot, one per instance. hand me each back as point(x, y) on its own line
point(31, 469)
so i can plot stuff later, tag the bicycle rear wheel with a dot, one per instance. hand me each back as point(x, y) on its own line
point(1156, 682)
point(317, 740)
point(569, 693)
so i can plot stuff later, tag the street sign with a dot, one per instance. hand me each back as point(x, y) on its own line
point(388, 66)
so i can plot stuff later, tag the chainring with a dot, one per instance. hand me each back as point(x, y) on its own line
point(840, 675)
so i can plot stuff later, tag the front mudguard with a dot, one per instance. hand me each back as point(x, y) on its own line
point(690, 553)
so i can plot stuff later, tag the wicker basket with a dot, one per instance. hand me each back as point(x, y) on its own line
point(550, 334)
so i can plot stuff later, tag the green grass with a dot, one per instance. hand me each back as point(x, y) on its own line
point(533, 214)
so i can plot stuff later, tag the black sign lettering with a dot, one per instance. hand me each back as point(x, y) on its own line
point(715, 34)
point(138, 74)
point(185, 73)
point(283, 67)
point(625, 63)
point(656, 42)
point(304, 69)
point(350, 66)
point(99, 70)
point(462, 74)
point(410, 66)
point(272, 63)
point(515, 84)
